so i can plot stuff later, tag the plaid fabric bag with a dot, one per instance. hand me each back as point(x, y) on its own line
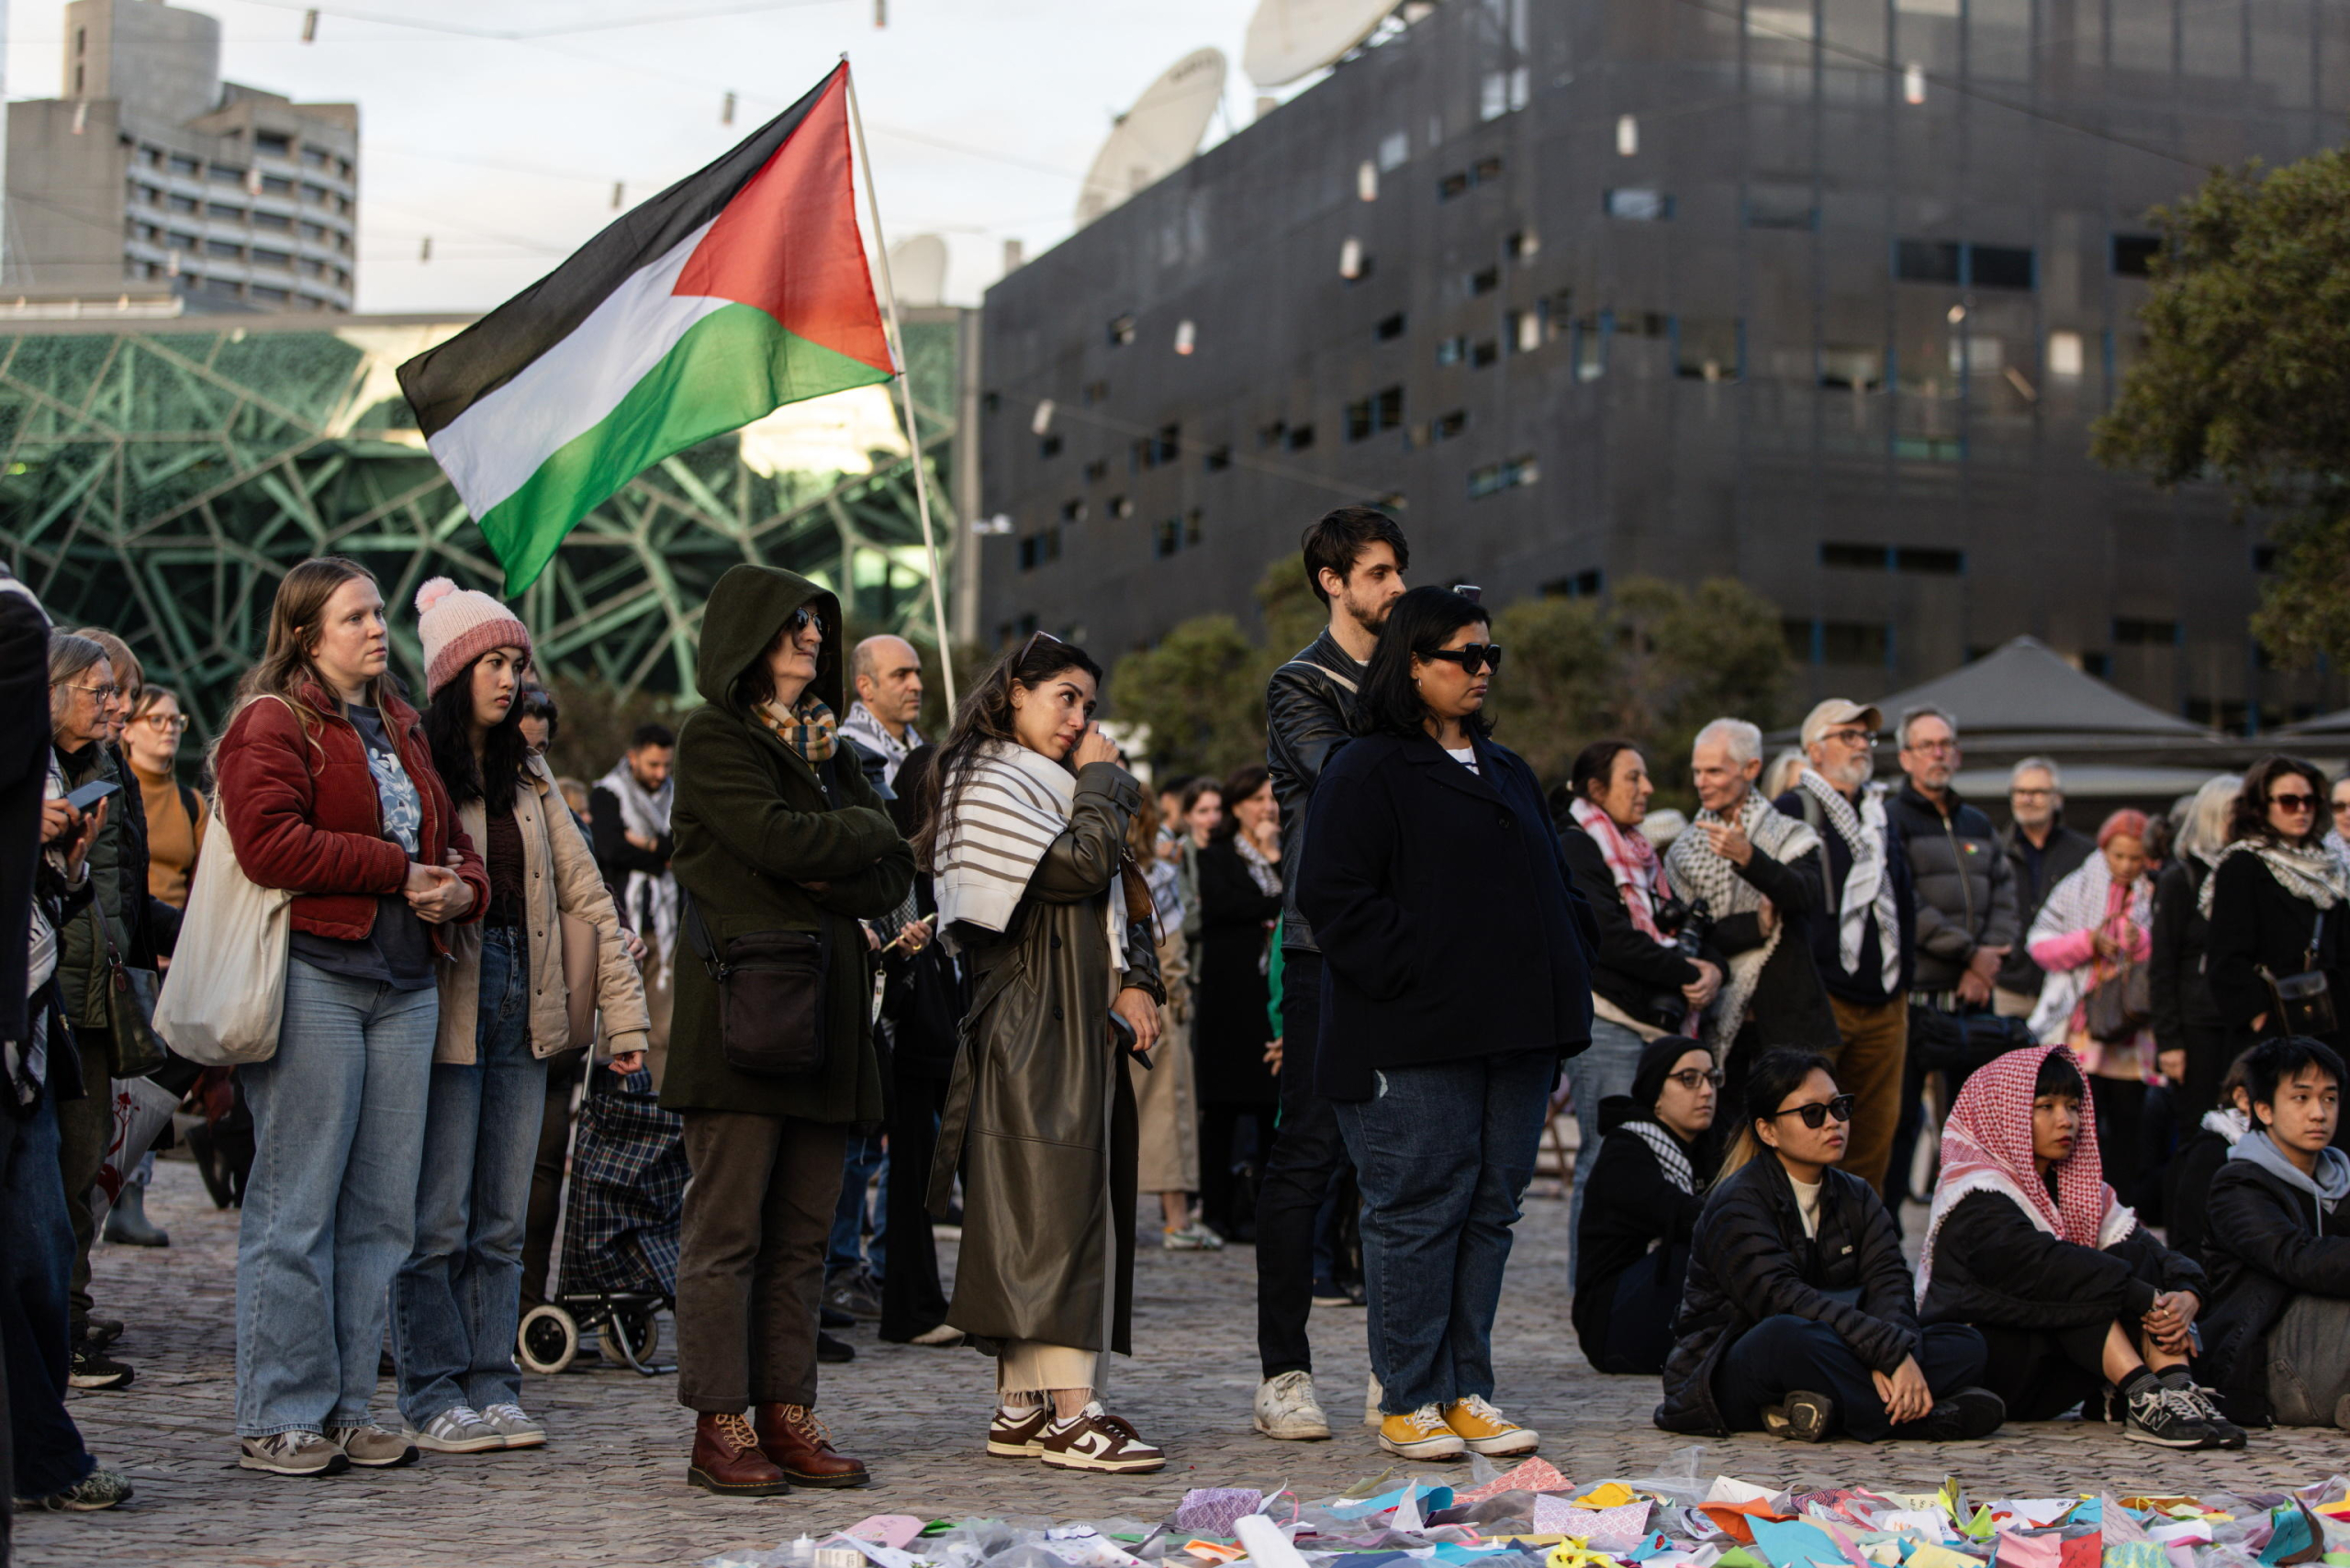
point(628, 1190)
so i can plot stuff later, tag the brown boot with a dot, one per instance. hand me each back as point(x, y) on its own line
point(798, 1443)
point(727, 1460)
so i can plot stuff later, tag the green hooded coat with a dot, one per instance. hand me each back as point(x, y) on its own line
point(755, 824)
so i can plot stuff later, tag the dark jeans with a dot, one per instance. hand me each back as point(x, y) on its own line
point(1222, 1149)
point(85, 1127)
point(36, 1257)
point(1642, 1301)
point(848, 1250)
point(546, 1176)
point(2120, 1132)
point(2040, 1373)
point(1307, 1162)
point(1782, 1354)
point(1443, 1153)
point(751, 1268)
point(913, 1302)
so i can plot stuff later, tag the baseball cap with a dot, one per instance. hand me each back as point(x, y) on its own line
point(1838, 711)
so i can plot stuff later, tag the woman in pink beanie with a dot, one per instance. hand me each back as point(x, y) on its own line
point(504, 1011)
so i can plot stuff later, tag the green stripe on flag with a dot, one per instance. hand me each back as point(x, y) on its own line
point(732, 366)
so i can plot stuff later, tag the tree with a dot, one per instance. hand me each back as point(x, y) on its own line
point(1201, 691)
point(2245, 379)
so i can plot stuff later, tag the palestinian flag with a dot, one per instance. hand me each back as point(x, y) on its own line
point(736, 290)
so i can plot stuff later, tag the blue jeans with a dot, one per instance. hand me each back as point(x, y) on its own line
point(1443, 1153)
point(866, 1155)
point(36, 1257)
point(1606, 1066)
point(330, 1205)
point(457, 1299)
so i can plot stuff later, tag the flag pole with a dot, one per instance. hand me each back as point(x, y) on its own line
point(906, 397)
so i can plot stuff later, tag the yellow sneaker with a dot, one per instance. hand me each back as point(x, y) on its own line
point(1419, 1434)
point(1486, 1430)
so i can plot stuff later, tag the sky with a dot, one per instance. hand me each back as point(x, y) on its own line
point(981, 115)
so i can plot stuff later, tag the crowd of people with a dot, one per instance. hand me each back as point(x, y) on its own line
point(1328, 1004)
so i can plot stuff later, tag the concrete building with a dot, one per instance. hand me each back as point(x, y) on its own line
point(153, 177)
point(1823, 295)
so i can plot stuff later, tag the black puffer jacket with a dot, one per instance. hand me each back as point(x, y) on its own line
point(1750, 1260)
point(2268, 1244)
point(1965, 884)
point(1992, 1266)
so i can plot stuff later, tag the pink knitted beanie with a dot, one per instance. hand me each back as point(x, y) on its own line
point(458, 625)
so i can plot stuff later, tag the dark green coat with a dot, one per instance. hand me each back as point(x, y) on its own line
point(754, 823)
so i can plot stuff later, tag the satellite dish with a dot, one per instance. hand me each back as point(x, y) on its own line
point(918, 267)
point(1158, 136)
point(1287, 38)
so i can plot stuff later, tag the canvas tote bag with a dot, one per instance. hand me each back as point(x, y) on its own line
point(225, 989)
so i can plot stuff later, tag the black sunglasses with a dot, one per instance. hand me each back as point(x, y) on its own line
point(1816, 1116)
point(803, 617)
point(2293, 802)
point(1473, 657)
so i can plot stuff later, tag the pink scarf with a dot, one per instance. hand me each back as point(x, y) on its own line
point(1633, 860)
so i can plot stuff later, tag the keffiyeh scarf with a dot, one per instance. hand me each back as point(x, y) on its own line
point(1700, 873)
point(1987, 1147)
point(1003, 809)
point(1868, 886)
point(871, 733)
point(1670, 1157)
point(1631, 861)
point(2314, 874)
point(648, 902)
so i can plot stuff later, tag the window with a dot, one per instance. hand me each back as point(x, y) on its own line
point(317, 158)
point(1097, 470)
point(2132, 634)
point(274, 144)
point(227, 173)
point(1781, 207)
point(1524, 329)
point(1485, 282)
point(1999, 266)
point(1048, 446)
point(276, 185)
point(268, 296)
point(1495, 478)
point(1390, 328)
point(1163, 447)
point(1452, 185)
point(1856, 557)
point(2133, 254)
point(1190, 528)
point(318, 233)
point(2263, 557)
point(1381, 410)
point(222, 212)
point(1447, 426)
point(317, 196)
point(277, 220)
point(1394, 149)
point(1168, 537)
point(1272, 434)
point(271, 259)
point(1850, 366)
point(178, 203)
point(1639, 204)
point(1300, 437)
point(222, 247)
point(1929, 562)
point(1486, 352)
point(1452, 350)
point(1853, 642)
point(2065, 355)
point(1121, 508)
point(1926, 260)
point(1072, 511)
point(1582, 585)
point(1522, 245)
point(1707, 349)
point(184, 165)
point(180, 241)
point(1217, 459)
point(1120, 332)
point(1487, 171)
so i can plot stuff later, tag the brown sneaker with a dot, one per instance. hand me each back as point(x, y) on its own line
point(1096, 1439)
point(801, 1446)
point(727, 1460)
point(1014, 1433)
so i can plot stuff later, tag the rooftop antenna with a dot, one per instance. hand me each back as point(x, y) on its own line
point(1156, 136)
point(1290, 39)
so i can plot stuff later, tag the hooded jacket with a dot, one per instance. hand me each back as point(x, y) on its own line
point(755, 824)
point(2274, 1234)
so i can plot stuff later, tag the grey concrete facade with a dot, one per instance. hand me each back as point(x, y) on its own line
point(153, 174)
point(1820, 294)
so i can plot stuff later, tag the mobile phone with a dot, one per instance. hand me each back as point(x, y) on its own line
point(90, 794)
point(1121, 1033)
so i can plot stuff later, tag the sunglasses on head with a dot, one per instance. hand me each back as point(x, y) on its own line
point(1030, 645)
point(1816, 1116)
point(2293, 800)
point(1472, 658)
point(1690, 1077)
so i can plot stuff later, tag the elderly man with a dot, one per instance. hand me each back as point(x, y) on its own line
point(880, 722)
point(1862, 944)
point(2042, 852)
point(1758, 872)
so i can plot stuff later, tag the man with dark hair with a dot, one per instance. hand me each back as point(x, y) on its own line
point(1355, 558)
point(2276, 1340)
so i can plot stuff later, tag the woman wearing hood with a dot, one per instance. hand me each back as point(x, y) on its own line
point(2027, 1244)
point(1027, 821)
point(1656, 1155)
point(2276, 1342)
point(781, 849)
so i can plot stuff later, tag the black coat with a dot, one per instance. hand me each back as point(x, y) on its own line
point(2255, 923)
point(1231, 1025)
point(2186, 1193)
point(1629, 1209)
point(1309, 706)
point(1864, 985)
point(2064, 853)
point(1631, 969)
point(2268, 1244)
point(24, 774)
point(1448, 921)
point(1994, 1267)
point(2176, 970)
point(1965, 888)
point(1750, 1260)
point(1789, 1006)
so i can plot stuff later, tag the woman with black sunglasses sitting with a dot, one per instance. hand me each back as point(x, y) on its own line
point(1656, 1155)
point(1456, 975)
point(1796, 1317)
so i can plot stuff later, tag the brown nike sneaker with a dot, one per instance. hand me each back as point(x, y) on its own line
point(1096, 1439)
point(801, 1446)
point(1014, 1433)
point(727, 1460)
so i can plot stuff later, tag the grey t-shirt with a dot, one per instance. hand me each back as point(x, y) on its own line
point(397, 953)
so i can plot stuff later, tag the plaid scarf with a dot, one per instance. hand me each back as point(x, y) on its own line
point(809, 729)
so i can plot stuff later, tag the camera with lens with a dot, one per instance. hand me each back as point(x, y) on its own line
point(1688, 923)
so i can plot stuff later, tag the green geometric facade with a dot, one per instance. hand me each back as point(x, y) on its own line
point(159, 479)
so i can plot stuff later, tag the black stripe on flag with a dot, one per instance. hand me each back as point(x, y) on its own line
point(443, 383)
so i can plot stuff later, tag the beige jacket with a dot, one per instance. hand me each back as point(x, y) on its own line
point(559, 877)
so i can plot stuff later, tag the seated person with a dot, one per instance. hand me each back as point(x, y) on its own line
point(2199, 1158)
point(1796, 1317)
point(2277, 1340)
point(2026, 1243)
point(1656, 1154)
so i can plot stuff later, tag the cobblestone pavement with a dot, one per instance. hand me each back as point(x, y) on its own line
point(609, 1488)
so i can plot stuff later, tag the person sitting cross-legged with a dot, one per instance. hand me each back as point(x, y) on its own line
point(2026, 1243)
point(1642, 1199)
point(2277, 1343)
point(1796, 1317)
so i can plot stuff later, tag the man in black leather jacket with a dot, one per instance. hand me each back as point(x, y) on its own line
point(1354, 562)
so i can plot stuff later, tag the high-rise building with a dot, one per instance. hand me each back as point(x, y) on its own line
point(1821, 295)
point(152, 176)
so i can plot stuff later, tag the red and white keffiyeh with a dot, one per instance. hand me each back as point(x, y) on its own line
point(1632, 859)
point(1987, 1147)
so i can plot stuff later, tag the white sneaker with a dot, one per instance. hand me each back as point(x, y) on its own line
point(1286, 1408)
point(1192, 1237)
point(458, 1429)
point(508, 1422)
point(1371, 1395)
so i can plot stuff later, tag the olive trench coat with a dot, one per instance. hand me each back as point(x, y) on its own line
point(1040, 1117)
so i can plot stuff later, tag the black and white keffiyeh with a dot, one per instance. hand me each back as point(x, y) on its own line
point(2313, 874)
point(1670, 1157)
point(1698, 872)
point(1868, 886)
point(648, 902)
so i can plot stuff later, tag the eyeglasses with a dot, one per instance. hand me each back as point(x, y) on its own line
point(104, 694)
point(1472, 658)
point(1690, 1077)
point(1816, 1114)
point(175, 722)
point(1933, 746)
point(2029, 794)
point(1860, 740)
point(2294, 802)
